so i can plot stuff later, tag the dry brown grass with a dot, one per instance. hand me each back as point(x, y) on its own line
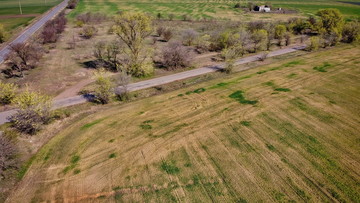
point(300, 145)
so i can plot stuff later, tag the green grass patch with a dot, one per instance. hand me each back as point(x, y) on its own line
point(24, 168)
point(170, 167)
point(323, 68)
point(88, 125)
point(112, 155)
point(280, 89)
point(77, 171)
point(197, 91)
point(145, 125)
point(291, 75)
point(238, 96)
point(245, 123)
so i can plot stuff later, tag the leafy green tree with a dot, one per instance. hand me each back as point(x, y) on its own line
point(280, 31)
point(259, 37)
point(7, 92)
point(132, 29)
point(331, 20)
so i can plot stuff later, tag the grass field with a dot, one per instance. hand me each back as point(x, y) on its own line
point(10, 8)
point(213, 9)
point(281, 132)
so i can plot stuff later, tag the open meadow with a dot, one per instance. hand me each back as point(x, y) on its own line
point(288, 131)
point(214, 9)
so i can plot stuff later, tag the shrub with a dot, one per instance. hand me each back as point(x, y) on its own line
point(160, 30)
point(263, 56)
point(7, 92)
point(88, 32)
point(189, 36)
point(351, 32)
point(167, 35)
point(103, 88)
point(202, 44)
point(72, 4)
point(122, 91)
point(174, 56)
point(34, 110)
point(237, 5)
point(171, 16)
point(314, 43)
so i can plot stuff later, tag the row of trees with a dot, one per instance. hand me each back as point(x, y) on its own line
point(53, 28)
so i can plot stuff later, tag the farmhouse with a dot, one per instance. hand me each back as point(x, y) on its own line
point(262, 8)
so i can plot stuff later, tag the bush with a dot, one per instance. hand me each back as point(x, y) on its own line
point(88, 32)
point(160, 30)
point(263, 56)
point(351, 32)
point(202, 44)
point(314, 43)
point(122, 91)
point(171, 16)
point(34, 110)
point(237, 5)
point(72, 4)
point(167, 35)
point(103, 88)
point(174, 56)
point(7, 92)
point(189, 36)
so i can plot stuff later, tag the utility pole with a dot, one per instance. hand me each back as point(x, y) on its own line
point(20, 7)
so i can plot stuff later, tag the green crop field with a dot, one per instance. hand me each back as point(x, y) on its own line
point(284, 132)
point(10, 13)
point(213, 9)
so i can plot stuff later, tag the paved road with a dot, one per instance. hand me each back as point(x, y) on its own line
point(28, 32)
point(161, 80)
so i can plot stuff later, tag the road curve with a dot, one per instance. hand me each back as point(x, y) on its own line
point(28, 32)
point(160, 80)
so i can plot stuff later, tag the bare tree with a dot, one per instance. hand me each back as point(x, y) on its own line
point(108, 54)
point(8, 155)
point(175, 55)
point(22, 57)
